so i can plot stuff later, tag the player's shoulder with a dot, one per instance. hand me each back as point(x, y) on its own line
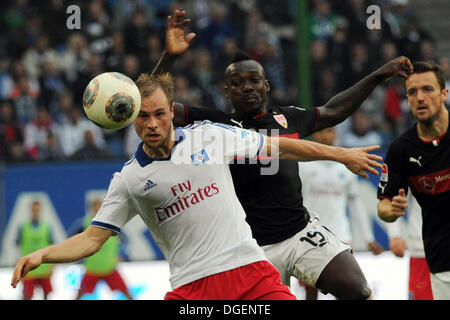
point(131, 167)
point(208, 125)
point(289, 109)
point(196, 114)
point(409, 134)
point(304, 119)
point(404, 140)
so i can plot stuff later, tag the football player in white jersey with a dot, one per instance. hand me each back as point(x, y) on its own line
point(408, 236)
point(180, 184)
point(329, 189)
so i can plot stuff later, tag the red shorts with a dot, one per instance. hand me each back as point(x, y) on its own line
point(256, 281)
point(419, 280)
point(114, 281)
point(29, 284)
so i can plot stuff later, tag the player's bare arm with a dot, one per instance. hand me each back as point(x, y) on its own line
point(342, 105)
point(73, 249)
point(357, 160)
point(390, 210)
point(177, 42)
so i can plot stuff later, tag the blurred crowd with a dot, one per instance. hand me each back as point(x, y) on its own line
point(44, 66)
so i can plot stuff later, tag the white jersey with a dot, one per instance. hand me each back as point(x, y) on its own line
point(328, 189)
point(410, 228)
point(188, 201)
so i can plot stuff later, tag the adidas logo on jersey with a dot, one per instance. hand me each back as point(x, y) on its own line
point(150, 184)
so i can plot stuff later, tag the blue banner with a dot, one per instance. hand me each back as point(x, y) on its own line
point(63, 190)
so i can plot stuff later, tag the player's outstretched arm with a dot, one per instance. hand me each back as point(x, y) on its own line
point(177, 42)
point(342, 105)
point(390, 210)
point(357, 160)
point(73, 249)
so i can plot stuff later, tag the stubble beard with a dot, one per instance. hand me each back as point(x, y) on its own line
point(428, 122)
point(158, 149)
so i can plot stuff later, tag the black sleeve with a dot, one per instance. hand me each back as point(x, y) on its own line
point(203, 113)
point(392, 176)
point(305, 119)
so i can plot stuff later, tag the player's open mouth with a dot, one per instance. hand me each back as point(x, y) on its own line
point(422, 108)
point(152, 136)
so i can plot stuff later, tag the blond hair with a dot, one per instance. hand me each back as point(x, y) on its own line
point(148, 83)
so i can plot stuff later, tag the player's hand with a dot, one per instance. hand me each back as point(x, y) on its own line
point(360, 161)
point(400, 66)
point(375, 247)
point(399, 204)
point(25, 265)
point(176, 41)
point(398, 246)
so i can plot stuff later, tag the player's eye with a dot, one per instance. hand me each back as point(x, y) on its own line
point(411, 92)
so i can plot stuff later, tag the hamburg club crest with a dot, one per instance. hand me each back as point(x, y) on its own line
point(281, 119)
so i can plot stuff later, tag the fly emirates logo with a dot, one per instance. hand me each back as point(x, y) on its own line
point(185, 197)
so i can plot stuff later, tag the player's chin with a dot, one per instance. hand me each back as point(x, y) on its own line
point(424, 117)
point(252, 108)
point(153, 141)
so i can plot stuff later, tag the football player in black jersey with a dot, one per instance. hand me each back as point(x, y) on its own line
point(291, 236)
point(420, 159)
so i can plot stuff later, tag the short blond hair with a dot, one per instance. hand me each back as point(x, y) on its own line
point(148, 83)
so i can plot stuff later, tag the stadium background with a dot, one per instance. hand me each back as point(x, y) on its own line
point(50, 151)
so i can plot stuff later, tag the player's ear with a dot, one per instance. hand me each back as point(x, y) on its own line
point(227, 93)
point(172, 110)
point(267, 85)
point(445, 94)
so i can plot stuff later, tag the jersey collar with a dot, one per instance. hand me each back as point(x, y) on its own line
point(259, 115)
point(436, 141)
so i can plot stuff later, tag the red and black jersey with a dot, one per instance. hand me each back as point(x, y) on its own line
point(424, 166)
point(273, 203)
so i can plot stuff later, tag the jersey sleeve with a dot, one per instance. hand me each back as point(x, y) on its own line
point(305, 119)
point(392, 177)
point(238, 142)
point(198, 114)
point(117, 208)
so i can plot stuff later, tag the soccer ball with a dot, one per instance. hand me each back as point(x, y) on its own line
point(111, 100)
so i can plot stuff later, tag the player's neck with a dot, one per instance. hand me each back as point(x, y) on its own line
point(162, 151)
point(242, 115)
point(435, 129)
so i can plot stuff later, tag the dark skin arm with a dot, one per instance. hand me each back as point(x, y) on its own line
point(336, 110)
point(343, 104)
point(176, 41)
point(176, 44)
